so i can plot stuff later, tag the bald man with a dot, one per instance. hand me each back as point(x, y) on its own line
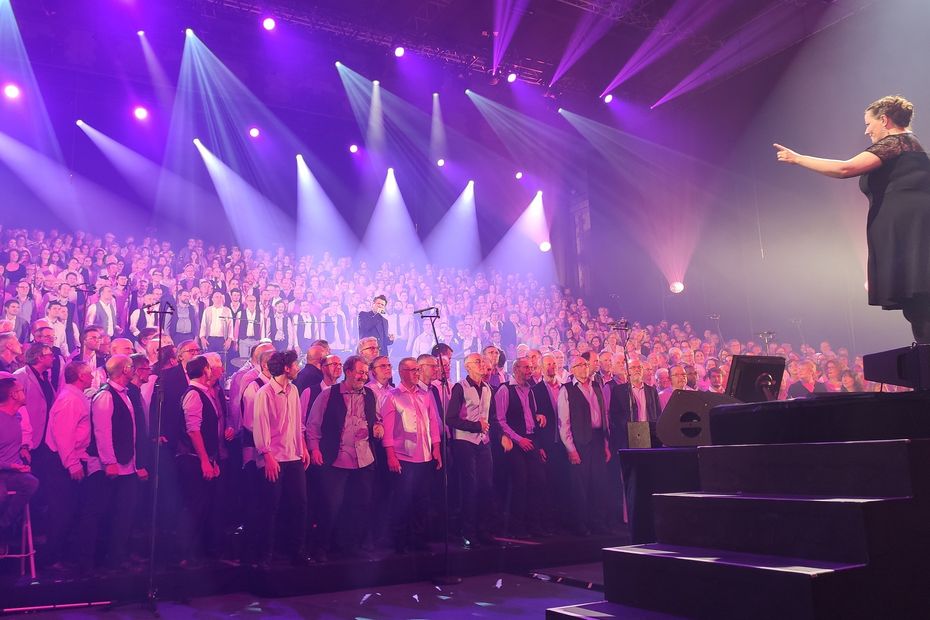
point(468, 415)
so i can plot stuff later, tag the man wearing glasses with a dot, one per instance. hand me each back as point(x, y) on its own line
point(583, 428)
point(411, 443)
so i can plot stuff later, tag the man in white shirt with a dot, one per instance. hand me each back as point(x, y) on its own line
point(216, 326)
point(117, 461)
point(282, 456)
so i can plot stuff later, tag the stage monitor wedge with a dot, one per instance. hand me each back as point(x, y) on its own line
point(755, 378)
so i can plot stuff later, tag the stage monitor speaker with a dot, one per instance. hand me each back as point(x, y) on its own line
point(685, 421)
point(907, 367)
point(755, 378)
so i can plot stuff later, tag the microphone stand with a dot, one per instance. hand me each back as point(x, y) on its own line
point(623, 327)
point(446, 578)
point(152, 593)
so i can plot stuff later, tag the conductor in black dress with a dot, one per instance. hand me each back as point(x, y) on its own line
point(895, 176)
point(372, 323)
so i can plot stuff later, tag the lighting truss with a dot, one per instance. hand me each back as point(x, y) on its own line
point(530, 70)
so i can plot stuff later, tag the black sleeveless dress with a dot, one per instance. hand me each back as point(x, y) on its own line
point(898, 227)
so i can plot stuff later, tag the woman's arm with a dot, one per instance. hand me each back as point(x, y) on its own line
point(838, 169)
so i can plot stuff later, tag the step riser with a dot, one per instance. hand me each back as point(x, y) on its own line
point(831, 531)
point(713, 590)
point(856, 469)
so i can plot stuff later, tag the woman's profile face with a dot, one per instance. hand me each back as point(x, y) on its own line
point(875, 127)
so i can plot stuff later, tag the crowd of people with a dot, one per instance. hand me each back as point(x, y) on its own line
point(296, 405)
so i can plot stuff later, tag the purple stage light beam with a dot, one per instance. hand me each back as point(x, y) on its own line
point(507, 16)
point(590, 29)
point(683, 19)
point(775, 29)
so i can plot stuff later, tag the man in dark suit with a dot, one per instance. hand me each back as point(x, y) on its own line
point(373, 324)
point(640, 406)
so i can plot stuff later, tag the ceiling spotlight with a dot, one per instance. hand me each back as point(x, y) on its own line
point(254, 132)
point(353, 148)
point(269, 23)
point(189, 32)
point(440, 162)
point(518, 175)
point(511, 77)
point(12, 91)
point(197, 142)
point(141, 33)
point(376, 83)
point(676, 287)
point(79, 123)
point(435, 95)
point(608, 98)
point(545, 246)
point(140, 113)
point(399, 51)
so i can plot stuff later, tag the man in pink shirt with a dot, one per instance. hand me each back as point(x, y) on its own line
point(411, 444)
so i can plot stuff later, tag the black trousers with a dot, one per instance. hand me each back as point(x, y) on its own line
point(410, 503)
point(589, 484)
point(347, 492)
point(64, 501)
point(292, 486)
point(107, 506)
point(473, 462)
point(527, 489)
point(11, 506)
point(558, 512)
point(252, 479)
point(614, 490)
point(199, 531)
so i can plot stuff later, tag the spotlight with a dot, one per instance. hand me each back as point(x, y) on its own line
point(254, 132)
point(269, 23)
point(518, 175)
point(539, 194)
point(608, 98)
point(141, 33)
point(561, 110)
point(399, 51)
point(676, 287)
point(353, 148)
point(79, 123)
point(338, 64)
point(440, 162)
point(467, 91)
point(511, 77)
point(376, 83)
point(435, 95)
point(189, 32)
point(197, 142)
point(545, 246)
point(140, 113)
point(12, 91)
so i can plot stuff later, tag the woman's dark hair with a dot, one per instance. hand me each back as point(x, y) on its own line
point(895, 107)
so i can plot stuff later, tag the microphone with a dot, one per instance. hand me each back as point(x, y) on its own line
point(427, 309)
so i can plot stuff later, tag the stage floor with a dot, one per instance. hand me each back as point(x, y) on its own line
point(492, 596)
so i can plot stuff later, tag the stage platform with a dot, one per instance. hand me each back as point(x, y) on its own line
point(515, 557)
point(813, 508)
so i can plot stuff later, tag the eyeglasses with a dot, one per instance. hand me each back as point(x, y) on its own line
point(383, 366)
point(415, 369)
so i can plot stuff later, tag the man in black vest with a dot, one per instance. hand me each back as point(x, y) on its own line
point(583, 428)
point(518, 418)
point(373, 324)
point(340, 432)
point(185, 324)
point(117, 460)
point(551, 449)
point(198, 461)
point(168, 429)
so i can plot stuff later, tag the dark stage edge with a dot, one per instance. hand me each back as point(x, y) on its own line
point(494, 596)
point(514, 556)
